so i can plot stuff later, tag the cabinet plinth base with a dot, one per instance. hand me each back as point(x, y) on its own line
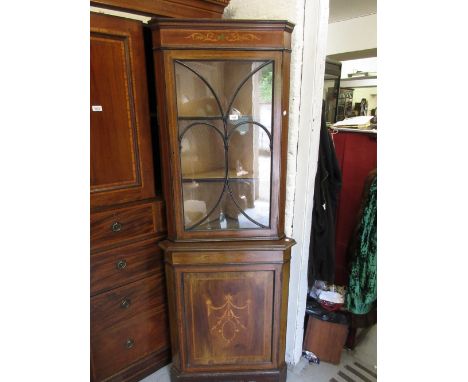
point(276, 375)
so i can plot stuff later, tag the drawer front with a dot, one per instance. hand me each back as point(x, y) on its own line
point(118, 347)
point(115, 226)
point(121, 304)
point(123, 265)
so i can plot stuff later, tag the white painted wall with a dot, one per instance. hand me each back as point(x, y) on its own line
point(362, 64)
point(341, 10)
point(352, 35)
point(306, 86)
point(292, 10)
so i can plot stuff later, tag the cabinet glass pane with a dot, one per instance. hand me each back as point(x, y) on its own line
point(254, 98)
point(202, 201)
point(250, 158)
point(202, 153)
point(225, 132)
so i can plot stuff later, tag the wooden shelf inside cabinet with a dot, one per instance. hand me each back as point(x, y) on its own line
point(218, 175)
point(198, 118)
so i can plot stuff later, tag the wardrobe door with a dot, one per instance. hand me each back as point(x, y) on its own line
point(121, 159)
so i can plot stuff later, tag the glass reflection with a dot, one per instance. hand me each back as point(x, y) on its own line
point(250, 154)
point(201, 200)
point(202, 152)
point(225, 123)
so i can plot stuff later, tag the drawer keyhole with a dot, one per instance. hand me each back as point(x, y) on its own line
point(116, 227)
point(125, 303)
point(129, 343)
point(121, 264)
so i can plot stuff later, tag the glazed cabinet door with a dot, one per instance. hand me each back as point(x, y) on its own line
point(223, 112)
point(121, 157)
point(224, 118)
point(226, 127)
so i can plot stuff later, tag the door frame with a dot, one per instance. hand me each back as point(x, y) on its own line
point(313, 71)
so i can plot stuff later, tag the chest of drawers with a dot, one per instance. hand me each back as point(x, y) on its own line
point(129, 318)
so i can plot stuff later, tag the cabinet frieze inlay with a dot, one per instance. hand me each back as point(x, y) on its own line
point(223, 36)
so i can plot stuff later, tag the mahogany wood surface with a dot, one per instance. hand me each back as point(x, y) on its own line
point(232, 376)
point(129, 320)
point(246, 245)
point(222, 34)
point(121, 345)
point(119, 266)
point(121, 157)
point(168, 8)
point(121, 304)
point(220, 40)
point(325, 339)
point(144, 367)
point(121, 225)
point(214, 294)
point(124, 309)
point(283, 113)
point(227, 289)
point(228, 309)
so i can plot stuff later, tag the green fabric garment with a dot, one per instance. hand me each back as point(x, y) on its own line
point(362, 286)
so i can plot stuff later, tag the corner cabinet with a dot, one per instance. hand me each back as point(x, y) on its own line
point(223, 116)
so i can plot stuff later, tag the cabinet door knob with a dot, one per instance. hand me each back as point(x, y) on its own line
point(116, 227)
point(129, 343)
point(125, 303)
point(121, 264)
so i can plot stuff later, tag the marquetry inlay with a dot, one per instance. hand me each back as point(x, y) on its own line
point(227, 318)
point(223, 36)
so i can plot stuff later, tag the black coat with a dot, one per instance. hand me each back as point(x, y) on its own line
point(326, 195)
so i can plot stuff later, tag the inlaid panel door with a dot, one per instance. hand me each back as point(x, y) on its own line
point(121, 159)
point(229, 316)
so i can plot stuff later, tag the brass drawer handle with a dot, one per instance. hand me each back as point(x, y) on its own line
point(129, 343)
point(121, 264)
point(125, 303)
point(116, 227)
